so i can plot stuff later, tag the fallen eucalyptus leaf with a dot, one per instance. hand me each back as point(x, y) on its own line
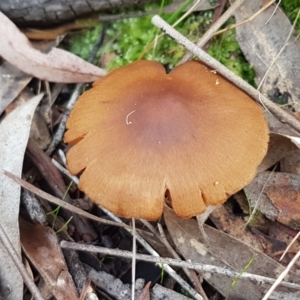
point(14, 132)
point(262, 40)
point(41, 246)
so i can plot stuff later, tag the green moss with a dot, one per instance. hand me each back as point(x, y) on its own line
point(133, 36)
point(82, 43)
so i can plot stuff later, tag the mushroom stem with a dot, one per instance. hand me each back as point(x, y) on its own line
point(214, 64)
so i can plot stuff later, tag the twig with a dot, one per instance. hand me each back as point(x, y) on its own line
point(133, 264)
point(177, 263)
point(214, 64)
point(166, 242)
point(65, 171)
point(281, 276)
point(211, 31)
point(17, 260)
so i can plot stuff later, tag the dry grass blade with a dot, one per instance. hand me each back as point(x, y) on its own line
point(248, 20)
point(59, 202)
point(281, 277)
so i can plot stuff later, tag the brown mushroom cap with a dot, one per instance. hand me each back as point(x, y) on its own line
point(140, 132)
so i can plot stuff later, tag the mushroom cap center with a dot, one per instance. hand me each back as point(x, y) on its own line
point(160, 116)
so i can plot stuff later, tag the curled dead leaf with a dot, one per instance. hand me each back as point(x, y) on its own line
point(57, 65)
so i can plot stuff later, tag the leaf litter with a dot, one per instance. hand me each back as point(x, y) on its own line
point(14, 129)
point(274, 193)
point(57, 65)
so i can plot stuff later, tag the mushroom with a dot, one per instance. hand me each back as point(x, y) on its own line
point(140, 134)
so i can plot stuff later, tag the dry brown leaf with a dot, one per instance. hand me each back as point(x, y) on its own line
point(41, 246)
point(145, 293)
point(284, 192)
point(226, 221)
point(277, 196)
point(57, 65)
point(225, 251)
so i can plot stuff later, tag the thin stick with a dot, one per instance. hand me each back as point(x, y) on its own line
point(17, 260)
point(214, 64)
point(281, 276)
point(133, 267)
point(26, 185)
point(64, 171)
point(177, 263)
